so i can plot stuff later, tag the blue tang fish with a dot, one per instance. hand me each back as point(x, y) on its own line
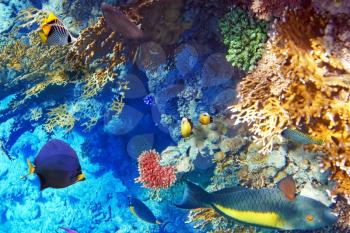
point(276, 208)
point(57, 165)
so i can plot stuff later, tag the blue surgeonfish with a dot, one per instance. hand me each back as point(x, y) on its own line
point(141, 211)
point(295, 135)
point(277, 208)
point(53, 32)
point(57, 165)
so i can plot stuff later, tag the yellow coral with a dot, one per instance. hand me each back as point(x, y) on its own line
point(314, 82)
point(60, 117)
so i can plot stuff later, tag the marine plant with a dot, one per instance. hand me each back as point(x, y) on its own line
point(244, 37)
point(302, 82)
point(152, 174)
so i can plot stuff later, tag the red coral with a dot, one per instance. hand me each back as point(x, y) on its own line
point(152, 174)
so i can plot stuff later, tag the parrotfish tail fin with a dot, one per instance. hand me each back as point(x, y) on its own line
point(31, 169)
point(194, 197)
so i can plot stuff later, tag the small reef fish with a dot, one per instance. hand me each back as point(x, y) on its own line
point(140, 210)
point(186, 127)
point(57, 165)
point(67, 230)
point(53, 32)
point(120, 23)
point(205, 118)
point(299, 137)
point(277, 208)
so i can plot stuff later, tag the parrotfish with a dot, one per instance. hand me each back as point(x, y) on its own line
point(120, 23)
point(186, 127)
point(277, 208)
point(68, 230)
point(299, 137)
point(57, 165)
point(140, 210)
point(53, 32)
point(205, 118)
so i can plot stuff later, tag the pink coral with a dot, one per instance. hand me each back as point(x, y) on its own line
point(152, 175)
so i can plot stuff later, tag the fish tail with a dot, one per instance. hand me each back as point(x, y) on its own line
point(31, 169)
point(194, 197)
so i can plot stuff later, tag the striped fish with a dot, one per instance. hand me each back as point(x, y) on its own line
point(276, 208)
point(53, 32)
point(299, 137)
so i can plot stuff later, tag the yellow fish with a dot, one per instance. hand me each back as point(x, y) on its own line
point(186, 127)
point(205, 118)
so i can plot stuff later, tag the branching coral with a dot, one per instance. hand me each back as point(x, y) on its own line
point(152, 174)
point(59, 116)
point(245, 38)
point(306, 88)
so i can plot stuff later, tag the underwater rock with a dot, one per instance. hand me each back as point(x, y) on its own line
point(140, 143)
point(310, 191)
point(186, 58)
point(124, 123)
point(257, 161)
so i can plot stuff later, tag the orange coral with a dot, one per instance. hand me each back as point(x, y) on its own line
point(307, 88)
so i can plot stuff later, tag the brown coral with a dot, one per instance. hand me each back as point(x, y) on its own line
point(306, 89)
point(266, 9)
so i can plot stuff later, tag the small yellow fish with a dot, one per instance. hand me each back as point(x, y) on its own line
point(205, 118)
point(186, 127)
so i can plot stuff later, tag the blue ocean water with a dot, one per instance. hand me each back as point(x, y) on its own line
point(139, 105)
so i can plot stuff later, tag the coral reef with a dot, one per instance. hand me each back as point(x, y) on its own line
point(152, 174)
point(244, 37)
point(306, 88)
point(265, 9)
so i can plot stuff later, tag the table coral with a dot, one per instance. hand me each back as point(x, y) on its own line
point(305, 89)
point(245, 37)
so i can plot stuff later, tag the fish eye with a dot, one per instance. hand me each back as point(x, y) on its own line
point(309, 218)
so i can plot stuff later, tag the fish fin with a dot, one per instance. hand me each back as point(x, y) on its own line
point(287, 186)
point(194, 197)
point(81, 177)
point(229, 190)
point(43, 37)
point(31, 169)
point(132, 210)
point(137, 54)
point(46, 29)
point(51, 18)
point(43, 184)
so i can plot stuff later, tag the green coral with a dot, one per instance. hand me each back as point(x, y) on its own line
point(245, 38)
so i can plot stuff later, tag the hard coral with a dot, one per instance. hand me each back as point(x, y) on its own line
point(266, 9)
point(312, 79)
point(152, 174)
point(245, 38)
